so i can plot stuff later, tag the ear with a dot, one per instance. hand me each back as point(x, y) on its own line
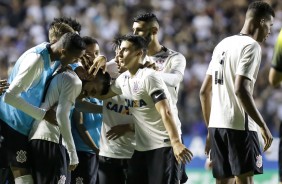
point(154, 30)
point(140, 53)
point(262, 21)
point(63, 51)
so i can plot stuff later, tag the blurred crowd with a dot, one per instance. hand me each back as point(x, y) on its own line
point(192, 27)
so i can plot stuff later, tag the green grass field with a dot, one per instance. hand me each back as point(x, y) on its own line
point(200, 176)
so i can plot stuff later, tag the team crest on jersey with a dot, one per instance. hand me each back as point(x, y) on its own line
point(79, 180)
point(62, 179)
point(259, 161)
point(135, 87)
point(160, 64)
point(21, 156)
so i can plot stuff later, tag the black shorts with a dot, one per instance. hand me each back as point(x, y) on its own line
point(14, 149)
point(112, 170)
point(234, 152)
point(154, 166)
point(87, 169)
point(49, 162)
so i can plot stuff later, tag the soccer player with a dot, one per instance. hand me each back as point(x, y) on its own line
point(117, 140)
point(19, 107)
point(157, 140)
point(86, 127)
point(66, 20)
point(169, 63)
point(50, 143)
point(275, 78)
point(227, 103)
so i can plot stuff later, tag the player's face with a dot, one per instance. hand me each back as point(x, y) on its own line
point(265, 29)
point(128, 55)
point(142, 29)
point(93, 50)
point(69, 57)
point(121, 67)
point(94, 87)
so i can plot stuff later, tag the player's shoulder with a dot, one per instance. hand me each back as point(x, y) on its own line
point(69, 77)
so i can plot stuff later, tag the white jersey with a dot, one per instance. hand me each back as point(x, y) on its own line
point(235, 55)
point(116, 112)
point(170, 61)
point(64, 89)
point(150, 132)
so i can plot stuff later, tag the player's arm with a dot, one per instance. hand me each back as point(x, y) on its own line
point(3, 86)
point(83, 132)
point(242, 91)
point(205, 98)
point(182, 154)
point(69, 91)
point(275, 77)
point(87, 107)
point(119, 130)
point(175, 75)
point(30, 70)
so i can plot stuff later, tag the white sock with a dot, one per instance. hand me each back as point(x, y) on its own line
point(26, 179)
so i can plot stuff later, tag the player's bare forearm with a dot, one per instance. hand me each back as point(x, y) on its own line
point(88, 107)
point(165, 112)
point(84, 134)
point(205, 98)
point(246, 99)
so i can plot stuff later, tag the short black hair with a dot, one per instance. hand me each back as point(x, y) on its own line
point(72, 41)
point(67, 20)
point(146, 17)
point(89, 40)
point(261, 9)
point(138, 41)
point(116, 42)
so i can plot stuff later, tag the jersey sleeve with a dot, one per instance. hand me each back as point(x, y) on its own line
point(29, 71)
point(178, 64)
point(277, 55)
point(116, 85)
point(251, 56)
point(154, 83)
point(71, 87)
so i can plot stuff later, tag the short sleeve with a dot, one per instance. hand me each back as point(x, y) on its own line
point(277, 55)
point(71, 87)
point(249, 61)
point(154, 83)
point(116, 85)
point(178, 63)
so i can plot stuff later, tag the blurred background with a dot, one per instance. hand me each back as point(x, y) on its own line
point(192, 27)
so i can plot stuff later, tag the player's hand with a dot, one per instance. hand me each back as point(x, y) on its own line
point(208, 145)
point(181, 153)
point(86, 61)
point(267, 137)
point(72, 167)
point(118, 131)
point(3, 86)
point(98, 63)
point(50, 116)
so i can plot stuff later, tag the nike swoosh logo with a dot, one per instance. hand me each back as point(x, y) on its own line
point(157, 96)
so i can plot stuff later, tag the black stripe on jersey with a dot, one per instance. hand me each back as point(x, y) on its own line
point(158, 96)
point(246, 122)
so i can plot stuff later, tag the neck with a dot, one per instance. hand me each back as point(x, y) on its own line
point(134, 69)
point(249, 29)
point(154, 47)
